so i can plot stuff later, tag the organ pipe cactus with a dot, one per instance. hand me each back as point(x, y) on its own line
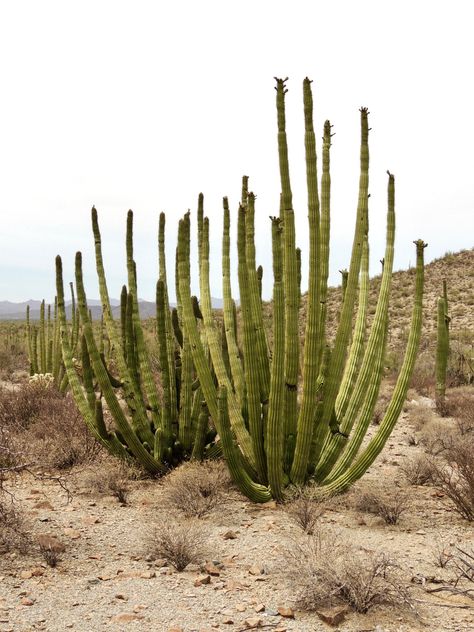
point(157, 431)
point(280, 424)
point(442, 346)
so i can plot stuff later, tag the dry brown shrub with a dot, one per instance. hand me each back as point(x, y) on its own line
point(305, 508)
point(435, 436)
point(418, 470)
point(460, 404)
point(113, 478)
point(179, 542)
point(196, 489)
point(13, 533)
point(419, 415)
point(324, 571)
point(453, 474)
point(387, 505)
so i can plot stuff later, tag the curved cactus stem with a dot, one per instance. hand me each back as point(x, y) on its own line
point(132, 397)
point(290, 273)
point(376, 444)
point(256, 492)
point(109, 441)
point(132, 440)
point(229, 320)
point(336, 366)
point(370, 373)
point(442, 346)
point(167, 375)
point(312, 333)
point(274, 435)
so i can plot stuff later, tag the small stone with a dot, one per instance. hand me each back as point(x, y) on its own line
point(88, 521)
point(126, 617)
point(74, 534)
point(230, 535)
point(26, 575)
point(241, 607)
point(228, 620)
point(202, 580)
point(421, 532)
point(260, 607)
point(44, 504)
point(26, 601)
point(212, 569)
point(253, 622)
point(175, 629)
point(284, 611)
point(148, 574)
point(256, 569)
point(333, 616)
point(121, 597)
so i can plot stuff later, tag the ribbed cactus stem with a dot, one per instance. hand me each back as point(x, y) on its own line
point(376, 444)
point(442, 347)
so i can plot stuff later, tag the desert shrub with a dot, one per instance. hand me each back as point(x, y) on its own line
point(442, 553)
point(180, 543)
point(113, 478)
point(417, 470)
point(305, 508)
point(386, 505)
point(13, 533)
point(460, 405)
point(419, 414)
point(18, 407)
point(423, 376)
point(436, 436)
point(326, 572)
point(59, 436)
point(196, 489)
point(51, 556)
point(453, 474)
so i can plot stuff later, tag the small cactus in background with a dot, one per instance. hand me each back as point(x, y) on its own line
point(442, 347)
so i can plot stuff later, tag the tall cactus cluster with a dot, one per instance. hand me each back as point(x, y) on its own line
point(157, 430)
point(282, 417)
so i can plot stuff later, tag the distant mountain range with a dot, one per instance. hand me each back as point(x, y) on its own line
point(17, 311)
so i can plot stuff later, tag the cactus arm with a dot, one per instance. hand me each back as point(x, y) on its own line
point(229, 322)
point(252, 378)
point(290, 273)
point(336, 365)
point(256, 492)
point(108, 441)
point(370, 373)
point(42, 339)
point(312, 333)
point(376, 444)
point(130, 437)
point(166, 369)
point(324, 235)
point(442, 346)
point(170, 345)
point(146, 376)
point(274, 435)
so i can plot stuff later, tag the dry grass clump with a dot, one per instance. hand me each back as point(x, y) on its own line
point(418, 470)
point(453, 474)
point(305, 508)
point(419, 415)
point(436, 435)
point(325, 571)
point(196, 489)
point(180, 543)
point(386, 505)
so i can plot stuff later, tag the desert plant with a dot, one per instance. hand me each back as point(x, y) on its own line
point(268, 435)
point(442, 347)
point(453, 474)
point(281, 439)
point(13, 533)
point(196, 489)
point(180, 543)
point(417, 470)
point(388, 506)
point(158, 434)
point(324, 571)
point(305, 508)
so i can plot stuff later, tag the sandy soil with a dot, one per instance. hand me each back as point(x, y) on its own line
point(106, 579)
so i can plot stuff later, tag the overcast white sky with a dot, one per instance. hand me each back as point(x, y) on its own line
point(143, 104)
